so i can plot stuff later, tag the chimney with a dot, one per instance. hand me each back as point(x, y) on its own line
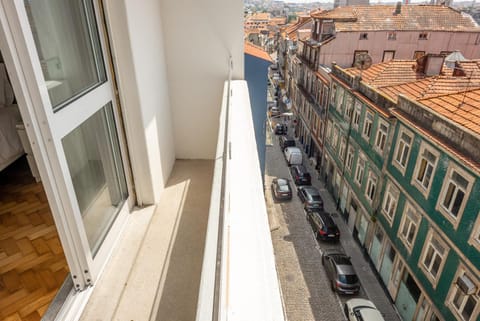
point(398, 9)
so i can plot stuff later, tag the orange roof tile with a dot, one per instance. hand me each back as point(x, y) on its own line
point(411, 17)
point(255, 51)
point(456, 98)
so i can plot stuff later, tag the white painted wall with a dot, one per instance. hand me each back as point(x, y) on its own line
point(137, 41)
point(342, 48)
point(199, 37)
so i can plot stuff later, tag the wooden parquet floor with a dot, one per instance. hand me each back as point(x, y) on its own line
point(32, 262)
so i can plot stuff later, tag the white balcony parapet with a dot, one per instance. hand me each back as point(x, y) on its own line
point(239, 278)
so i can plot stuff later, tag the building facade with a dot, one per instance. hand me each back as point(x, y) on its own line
point(401, 163)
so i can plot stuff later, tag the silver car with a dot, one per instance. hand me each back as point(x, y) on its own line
point(339, 269)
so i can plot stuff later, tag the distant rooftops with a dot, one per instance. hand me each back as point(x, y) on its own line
point(401, 18)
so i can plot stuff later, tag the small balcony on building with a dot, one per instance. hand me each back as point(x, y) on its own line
point(204, 252)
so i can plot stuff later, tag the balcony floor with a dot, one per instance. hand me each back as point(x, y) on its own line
point(154, 273)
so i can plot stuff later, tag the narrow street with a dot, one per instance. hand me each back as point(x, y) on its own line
point(306, 290)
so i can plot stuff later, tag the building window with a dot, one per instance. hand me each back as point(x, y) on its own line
point(367, 126)
point(392, 35)
point(454, 194)
point(340, 93)
point(359, 170)
point(390, 201)
point(364, 36)
point(475, 237)
point(402, 149)
point(333, 94)
point(329, 130)
point(381, 138)
point(425, 169)
point(348, 107)
point(371, 186)
point(423, 36)
point(356, 114)
point(342, 150)
point(418, 54)
point(409, 227)
point(335, 137)
point(464, 295)
point(388, 55)
point(358, 53)
point(351, 154)
point(434, 256)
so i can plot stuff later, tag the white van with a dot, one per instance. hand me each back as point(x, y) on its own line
point(293, 155)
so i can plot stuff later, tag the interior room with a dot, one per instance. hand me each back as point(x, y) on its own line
point(32, 261)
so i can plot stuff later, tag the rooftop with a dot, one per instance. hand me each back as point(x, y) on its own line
point(252, 50)
point(410, 18)
point(453, 94)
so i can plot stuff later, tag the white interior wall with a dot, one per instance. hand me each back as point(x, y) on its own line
point(199, 38)
point(136, 36)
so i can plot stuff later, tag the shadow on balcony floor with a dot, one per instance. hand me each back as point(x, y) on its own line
point(154, 273)
point(178, 299)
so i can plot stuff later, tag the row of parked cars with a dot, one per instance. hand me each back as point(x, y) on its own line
point(338, 265)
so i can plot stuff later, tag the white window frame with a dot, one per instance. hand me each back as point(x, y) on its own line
point(342, 150)
point(360, 170)
point(401, 144)
point(368, 125)
point(390, 202)
point(339, 100)
point(357, 114)
point(454, 289)
point(429, 245)
point(350, 156)
point(454, 168)
point(412, 218)
point(475, 235)
point(329, 130)
point(336, 132)
point(424, 147)
point(333, 95)
point(371, 189)
point(381, 137)
point(348, 107)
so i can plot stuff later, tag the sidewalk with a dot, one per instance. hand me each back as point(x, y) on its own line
point(370, 282)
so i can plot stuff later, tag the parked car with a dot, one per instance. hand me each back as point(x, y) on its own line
point(281, 189)
point(300, 175)
point(280, 129)
point(323, 225)
point(361, 310)
point(310, 197)
point(340, 272)
point(293, 156)
point(274, 111)
point(286, 141)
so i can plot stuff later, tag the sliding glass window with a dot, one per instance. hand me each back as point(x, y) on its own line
point(67, 41)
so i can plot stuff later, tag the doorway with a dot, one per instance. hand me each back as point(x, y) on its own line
point(60, 65)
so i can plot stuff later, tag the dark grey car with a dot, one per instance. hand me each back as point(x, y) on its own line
point(310, 197)
point(340, 272)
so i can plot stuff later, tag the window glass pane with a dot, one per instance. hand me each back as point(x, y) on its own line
point(469, 307)
point(95, 166)
point(67, 41)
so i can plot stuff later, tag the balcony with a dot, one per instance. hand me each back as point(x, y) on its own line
point(204, 251)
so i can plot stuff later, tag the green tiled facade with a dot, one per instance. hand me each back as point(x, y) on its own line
point(435, 256)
